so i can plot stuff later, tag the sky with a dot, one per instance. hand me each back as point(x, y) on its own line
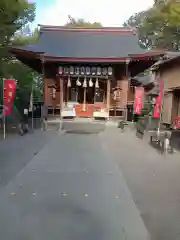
point(110, 13)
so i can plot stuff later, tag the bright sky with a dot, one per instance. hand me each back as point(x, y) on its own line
point(109, 13)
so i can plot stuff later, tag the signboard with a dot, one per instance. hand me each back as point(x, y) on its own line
point(138, 102)
point(159, 101)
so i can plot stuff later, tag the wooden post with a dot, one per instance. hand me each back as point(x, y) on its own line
point(108, 95)
point(61, 101)
point(67, 95)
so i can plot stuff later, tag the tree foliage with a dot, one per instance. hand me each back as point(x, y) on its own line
point(80, 22)
point(159, 26)
point(14, 30)
point(14, 15)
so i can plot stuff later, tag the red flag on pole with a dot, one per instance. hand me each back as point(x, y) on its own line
point(159, 101)
point(9, 95)
point(138, 102)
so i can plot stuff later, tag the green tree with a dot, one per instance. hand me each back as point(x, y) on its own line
point(25, 76)
point(25, 37)
point(80, 22)
point(159, 26)
point(14, 15)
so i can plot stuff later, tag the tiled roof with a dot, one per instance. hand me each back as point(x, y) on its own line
point(167, 58)
point(86, 43)
point(143, 78)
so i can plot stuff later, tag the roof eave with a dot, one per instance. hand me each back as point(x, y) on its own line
point(161, 63)
point(39, 54)
point(146, 54)
point(20, 51)
point(32, 54)
point(85, 60)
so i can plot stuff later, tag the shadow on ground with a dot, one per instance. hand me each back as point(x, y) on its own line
point(83, 127)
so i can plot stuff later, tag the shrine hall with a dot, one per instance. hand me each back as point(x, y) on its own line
point(86, 72)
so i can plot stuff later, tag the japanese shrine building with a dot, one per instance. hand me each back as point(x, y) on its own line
point(86, 71)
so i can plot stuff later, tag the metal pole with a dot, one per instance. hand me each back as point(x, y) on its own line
point(32, 103)
point(4, 115)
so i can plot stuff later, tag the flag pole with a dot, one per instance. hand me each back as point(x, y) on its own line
point(4, 116)
point(161, 107)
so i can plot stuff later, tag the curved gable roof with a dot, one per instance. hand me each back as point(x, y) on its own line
point(86, 43)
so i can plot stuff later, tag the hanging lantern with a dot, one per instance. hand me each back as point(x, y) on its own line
point(82, 70)
point(88, 71)
point(78, 83)
point(104, 71)
point(77, 70)
point(110, 71)
point(99, 71)
point(66, 70)
point(60, 70)
point(53, 92)
point(90, 83)
point(85, 83)
point(93, 71)
point(97, 83)
point(69, 82)
point(71, 70)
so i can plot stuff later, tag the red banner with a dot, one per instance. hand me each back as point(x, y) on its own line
point(9, 95)
point(138, 102)
point(159, 101)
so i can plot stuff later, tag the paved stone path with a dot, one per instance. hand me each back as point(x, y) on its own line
point(71, 189)
point(154, 182)
point(16, 152)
